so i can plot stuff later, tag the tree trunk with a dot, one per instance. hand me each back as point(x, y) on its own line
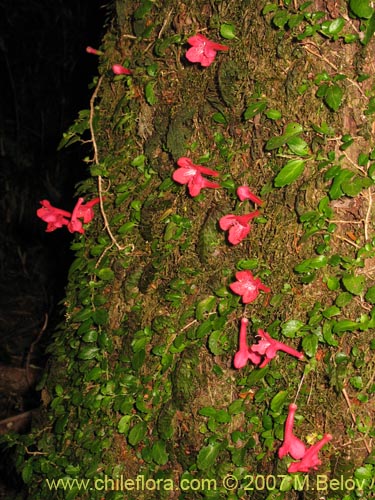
point(141, 381)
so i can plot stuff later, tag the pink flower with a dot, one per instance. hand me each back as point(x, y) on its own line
point(292, 445)
point(55, 217)
point(238, 226)
point(268, 347)
point(120, 70)
point(310, 459)
point(191, 174)
point(82, 211)
point(244, 193)
point(203, 50)
point(86, 211)
point(91, 50)
point(247, 286)
point(242, 355)
point(75, 225)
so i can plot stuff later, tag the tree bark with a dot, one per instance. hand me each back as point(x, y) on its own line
point(141, 378)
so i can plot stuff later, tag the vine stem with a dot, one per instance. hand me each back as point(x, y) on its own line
point(96, 162)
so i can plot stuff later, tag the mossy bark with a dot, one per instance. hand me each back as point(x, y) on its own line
point(152, 299)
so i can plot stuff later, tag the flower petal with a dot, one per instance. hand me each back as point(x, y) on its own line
point(237, 233)
point(244, 193)
point(227, 221)
point(183, 175)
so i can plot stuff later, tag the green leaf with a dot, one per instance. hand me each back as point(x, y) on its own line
point(278, 401)
point(143, 9)
point(150, 94)
point(158, 452)
point(254, 109)
point(88, 352)
point(205, 306)
point(334, 27)
point(90, 336)
point(219, 118)
point(100, 316)
point(327, 334)
point(370, 295)
point(345, 325)
point(361, 8)
point(236, 407)
point(370, 30)
point(331, 311)
point(298, 146)
point(289, 173)
point(106, 274)
point(291, 327)
point(127, 227)
point(27, 471)
point(343, 299)
point(137, 433)
point(291, 129)
point(333, 97)
point(310, 344)
point(354, 284)
point(215, 342)
point(256, 375)
point(280, 18)
point(227, 31)
point(365, 472)
point(208, 455)
point(355, 185)
point(273, 114)
point(270, 7)
point(310, 264)
point(370, 110)
point(208, 411)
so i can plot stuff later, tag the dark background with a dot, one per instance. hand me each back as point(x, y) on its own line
point(45, 73)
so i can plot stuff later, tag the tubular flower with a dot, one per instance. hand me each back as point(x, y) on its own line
point(75, 225)
point(55, 217)
point(86, 211)
point(118, 69)
point(310, 459)
point(247, 286)
point(238, 226)
point(242, 355)
point(244, 193)
point(203, 50)
point(191, 174)
point(292, 445)
point(91, 50)
point(268, 347)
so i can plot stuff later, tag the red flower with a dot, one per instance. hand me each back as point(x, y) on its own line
point(238, 226)
point(55, 217)
point(310, 459)
point(191, 175)
point(120, 70)
point(292, 445)
point(91, 50)
point(203, 50)
point(244, 193)
point(242, 355)
point(268, 347)
point(86, 211)
point(247, 286)
point(82, 211)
